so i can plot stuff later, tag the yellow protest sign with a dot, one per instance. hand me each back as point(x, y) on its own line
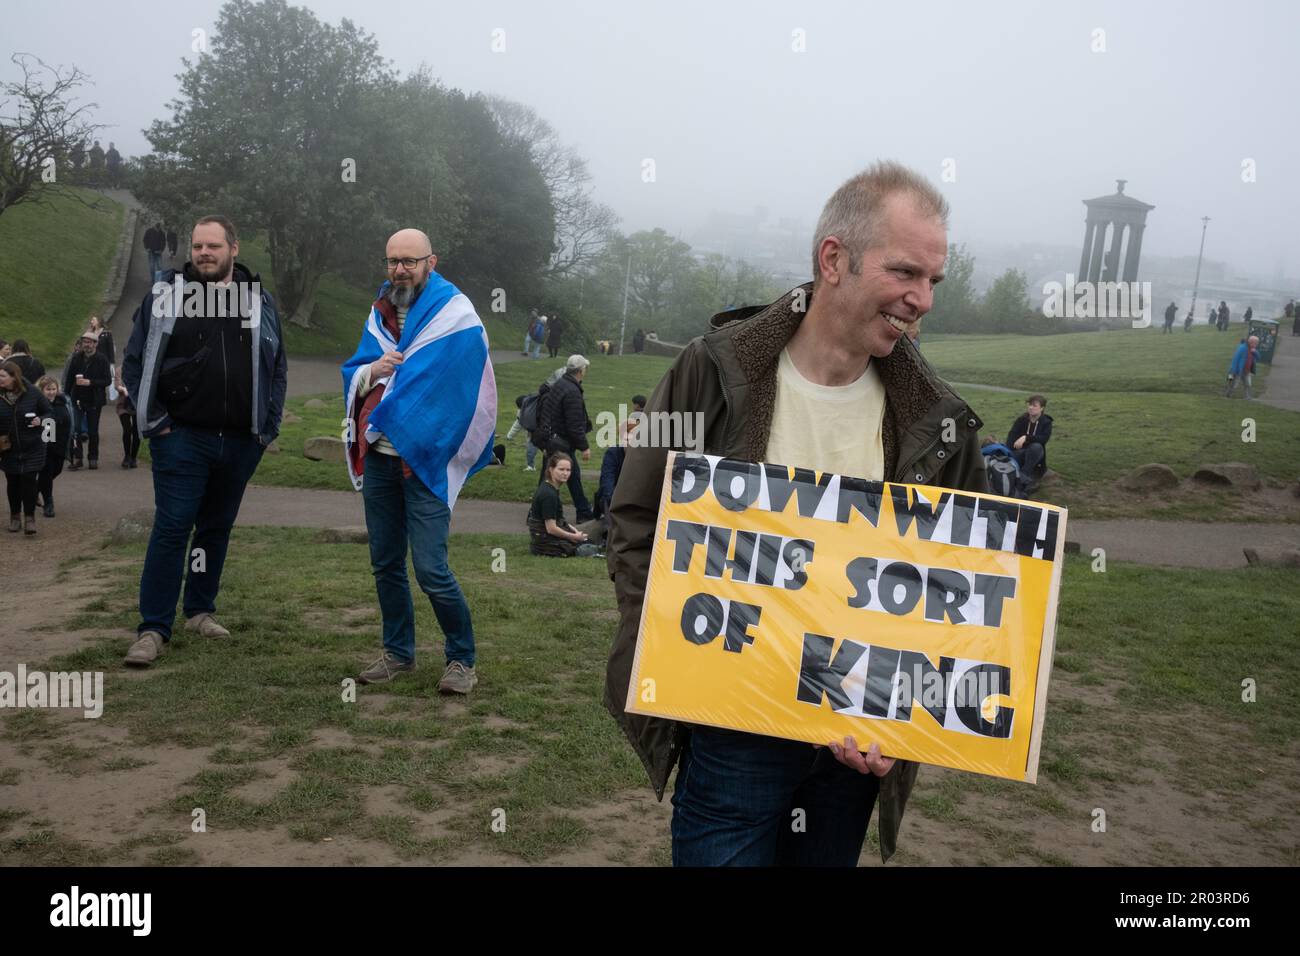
point(815, 606)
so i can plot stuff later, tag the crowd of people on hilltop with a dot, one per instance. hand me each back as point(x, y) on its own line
point(95, 166)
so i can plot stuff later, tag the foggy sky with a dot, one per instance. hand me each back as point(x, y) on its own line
point(734, 118)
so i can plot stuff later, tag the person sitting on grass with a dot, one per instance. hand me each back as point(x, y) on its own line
point(1028, 443)
point(551, 536)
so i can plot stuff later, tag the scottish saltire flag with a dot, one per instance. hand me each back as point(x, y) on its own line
point(439, 407)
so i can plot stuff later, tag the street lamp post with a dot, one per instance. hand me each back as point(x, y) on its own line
point(622, 332)
point(1196, 283)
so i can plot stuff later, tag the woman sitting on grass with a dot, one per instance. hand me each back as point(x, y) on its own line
point(551, 535)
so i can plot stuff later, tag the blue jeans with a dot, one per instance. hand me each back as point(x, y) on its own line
point(155, 265)
point(397, 510)
point(738, 794)
point(199, 478)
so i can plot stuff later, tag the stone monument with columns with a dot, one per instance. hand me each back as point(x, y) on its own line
point(1111, 221)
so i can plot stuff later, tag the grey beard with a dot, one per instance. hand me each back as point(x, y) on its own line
point(403, 296)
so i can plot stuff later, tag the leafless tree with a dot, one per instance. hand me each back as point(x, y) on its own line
point(40, 126)
point(583, 226)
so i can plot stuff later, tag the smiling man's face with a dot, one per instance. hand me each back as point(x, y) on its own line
point(212, 255)
point(894, 285)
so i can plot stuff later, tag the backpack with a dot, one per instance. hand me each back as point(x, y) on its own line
point(1003, 474)
point(529, 409)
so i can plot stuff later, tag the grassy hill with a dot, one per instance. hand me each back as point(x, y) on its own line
point(55, 258)
point(1127, 360)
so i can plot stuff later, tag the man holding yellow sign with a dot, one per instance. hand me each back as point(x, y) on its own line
point(820, 381)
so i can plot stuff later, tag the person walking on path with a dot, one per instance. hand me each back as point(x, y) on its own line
point(113, 160)
point(1243, 366)
point(1170, 314)
point(208, 392)
point(60, 450)
point(155, 241)
point(638, 341)
point(88, 375)
point(555, 335)
point(1224, 316)
point(103, 340)
point(813, 380)
point(172, 241)
point(23, 414)
point(130, 427)
point(421, 403)
point(31, 366)
point(1293, 313)
point(563, 424)
point(528, 333)
point(96, 171)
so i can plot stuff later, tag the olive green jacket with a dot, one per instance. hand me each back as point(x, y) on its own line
point(730, 375)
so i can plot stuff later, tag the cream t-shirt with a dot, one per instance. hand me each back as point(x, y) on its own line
point(834, 428)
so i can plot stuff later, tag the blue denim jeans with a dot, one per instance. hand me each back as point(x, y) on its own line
point(399, 510)
point(199, 478)
point(738, 795)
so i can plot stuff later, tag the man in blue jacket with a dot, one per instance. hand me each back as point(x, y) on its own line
point(206, 371)
point(1243, 366)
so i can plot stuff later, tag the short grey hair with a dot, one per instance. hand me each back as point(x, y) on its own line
point(853, 213)
point(577, 363)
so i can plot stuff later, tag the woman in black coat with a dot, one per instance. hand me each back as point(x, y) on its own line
point(23, 411)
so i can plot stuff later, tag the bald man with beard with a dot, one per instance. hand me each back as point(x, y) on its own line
point(421, 404)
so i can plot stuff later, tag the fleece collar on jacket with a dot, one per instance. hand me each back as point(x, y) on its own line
point(911, 389)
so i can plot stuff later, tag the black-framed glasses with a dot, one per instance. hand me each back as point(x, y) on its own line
point(391, 264)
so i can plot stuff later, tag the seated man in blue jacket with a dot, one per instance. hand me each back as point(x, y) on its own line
point(1028, 440)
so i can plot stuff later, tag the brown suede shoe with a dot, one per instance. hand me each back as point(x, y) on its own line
point(146, 649)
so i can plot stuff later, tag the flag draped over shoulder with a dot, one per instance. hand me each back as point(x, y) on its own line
point(439, 407)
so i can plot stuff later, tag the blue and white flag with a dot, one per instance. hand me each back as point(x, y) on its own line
point(439, 407)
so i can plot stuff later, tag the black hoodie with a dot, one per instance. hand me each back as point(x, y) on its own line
point(207, 371)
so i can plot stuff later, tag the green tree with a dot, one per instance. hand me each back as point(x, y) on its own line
point(956, 305)
point(1006, 304)
point(282, 126)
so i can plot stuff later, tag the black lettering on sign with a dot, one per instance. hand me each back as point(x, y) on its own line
point(685, 535)
point(743, 563)
point(963, 517)
point(899, 573)
point(862, 496)
point(690, 478)
point(922, 681)
point(974, 687)
point(1027, 539)
point(805, 485)
point(945, 593)
point(861, 573)
point(719, 544)
point(918, 509)
point(769, 551)
point(994, 588)
point(702, 618)
point(997, 514)
point(740, 618)
point(882, 662)
point(724, 474)
point(798, 555)
point(819, 675)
